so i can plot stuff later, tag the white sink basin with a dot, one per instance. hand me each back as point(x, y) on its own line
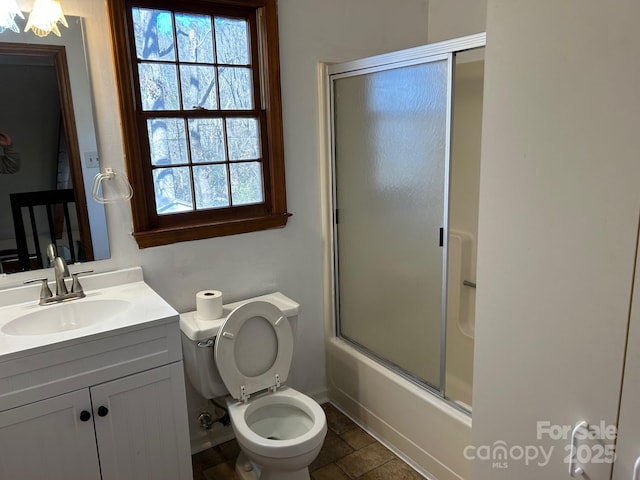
point(116, 302)
point(65, 316)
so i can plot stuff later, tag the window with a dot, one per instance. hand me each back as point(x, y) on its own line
point(200, 103)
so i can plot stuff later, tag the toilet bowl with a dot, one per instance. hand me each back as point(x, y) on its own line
point(282, 432)
point(248, 354)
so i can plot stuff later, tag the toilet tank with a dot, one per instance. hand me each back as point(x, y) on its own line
point(198, 337)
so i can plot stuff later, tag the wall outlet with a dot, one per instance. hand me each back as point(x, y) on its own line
point(91, 160)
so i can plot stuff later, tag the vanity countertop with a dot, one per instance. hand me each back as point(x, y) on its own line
point(144, 307)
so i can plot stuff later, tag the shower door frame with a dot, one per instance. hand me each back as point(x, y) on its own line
point(403, 58)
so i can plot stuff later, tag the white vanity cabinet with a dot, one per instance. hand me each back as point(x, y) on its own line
point(141, 425)
point(131, 423)
point(108, 406)
point(47, 439)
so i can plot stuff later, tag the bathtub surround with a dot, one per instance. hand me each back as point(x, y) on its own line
point(399, 331)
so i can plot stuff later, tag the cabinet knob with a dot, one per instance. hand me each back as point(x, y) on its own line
point(103, 411)
point(85, 416)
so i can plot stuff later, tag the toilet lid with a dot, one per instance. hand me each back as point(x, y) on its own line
point(254, 348)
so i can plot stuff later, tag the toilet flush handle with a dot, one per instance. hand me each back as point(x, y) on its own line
point(206, 344)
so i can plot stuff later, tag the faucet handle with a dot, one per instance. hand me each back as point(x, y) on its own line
point(45, 292)
point(75, 284)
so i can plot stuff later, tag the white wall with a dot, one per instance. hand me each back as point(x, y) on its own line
point(455, 18)
point(559, 203)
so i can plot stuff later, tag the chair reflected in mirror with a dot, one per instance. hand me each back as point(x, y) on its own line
point(41, 218)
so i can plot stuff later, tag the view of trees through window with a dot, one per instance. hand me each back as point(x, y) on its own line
point(196, 93)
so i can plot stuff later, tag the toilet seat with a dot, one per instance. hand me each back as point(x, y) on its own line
point(253, 349)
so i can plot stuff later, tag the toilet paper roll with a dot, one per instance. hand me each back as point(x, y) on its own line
point(208, 305)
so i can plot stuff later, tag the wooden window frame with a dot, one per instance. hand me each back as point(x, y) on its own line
point(151, 229)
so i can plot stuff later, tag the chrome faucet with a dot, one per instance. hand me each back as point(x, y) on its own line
point(61, 271)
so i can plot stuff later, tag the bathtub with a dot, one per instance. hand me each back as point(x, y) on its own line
point(421, 428)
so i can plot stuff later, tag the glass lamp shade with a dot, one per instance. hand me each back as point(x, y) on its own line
point(44, 18)
point(8, 12)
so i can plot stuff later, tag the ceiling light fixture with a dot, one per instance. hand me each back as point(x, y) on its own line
point(8, 12)
point(44, 18)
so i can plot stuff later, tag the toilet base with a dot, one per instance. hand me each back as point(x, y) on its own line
point(247, 470)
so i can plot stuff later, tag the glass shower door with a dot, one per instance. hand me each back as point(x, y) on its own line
point(391, 143)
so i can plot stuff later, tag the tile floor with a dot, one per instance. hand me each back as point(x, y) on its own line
point(348, 453)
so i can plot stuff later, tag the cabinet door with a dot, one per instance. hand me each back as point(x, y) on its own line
point(48, 440)
point(628, 444)
point(557, 232)
point(141, 426)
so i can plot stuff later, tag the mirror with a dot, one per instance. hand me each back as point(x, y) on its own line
point(48, 152)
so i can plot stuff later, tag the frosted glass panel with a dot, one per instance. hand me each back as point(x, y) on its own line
point(390, 137)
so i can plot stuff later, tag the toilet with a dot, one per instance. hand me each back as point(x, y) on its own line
point(247, 355)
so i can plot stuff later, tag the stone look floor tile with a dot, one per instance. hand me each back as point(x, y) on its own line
point(208, 458)
point(357, 438)
point(364, 460)
point(334, 449)
point(337, 421)
point(229, 450)
point(348, 453)
point(395, 469)
point(222, 471)
point(329, 472)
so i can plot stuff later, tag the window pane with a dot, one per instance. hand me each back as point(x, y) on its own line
point(172, 187)
point(246, 183)
point(235, 88)
point(242, 135)
point(153, 31)
point(167, 141)
point(198, 87)
point(195, 40)
point(207, 140)
point(232, 41)
point(158, 86)
point(211, 186)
